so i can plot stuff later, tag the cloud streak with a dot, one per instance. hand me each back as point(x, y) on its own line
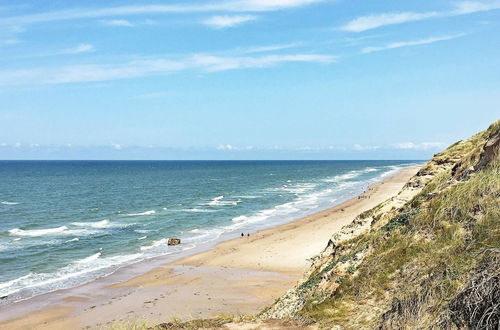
point(81, 48)
point(369, 22)
point(150, 67)
point(118, 22)
point(221, 6)
point(400, 44)
point(419, 146)
point(270, 48)
point(227, 21)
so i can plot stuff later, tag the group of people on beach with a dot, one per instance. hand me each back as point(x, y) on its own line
point(243, 235)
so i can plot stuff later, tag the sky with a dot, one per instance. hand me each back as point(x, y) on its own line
point(245, 79)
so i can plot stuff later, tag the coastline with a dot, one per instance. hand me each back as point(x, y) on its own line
point(241, 275)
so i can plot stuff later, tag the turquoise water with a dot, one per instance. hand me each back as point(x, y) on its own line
point(63, 223)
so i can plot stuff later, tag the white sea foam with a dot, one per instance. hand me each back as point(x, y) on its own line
point(215, 200)
point(240, 218)
point(141, 238)
point(297, 189)
point(14, 281)
point(89, 259)
point(76, 239)
point(75, 273)
point(350, 175)
point(37, 232)
point(141, 214)
point(218, 201)
point(205, 235)
point(155, 244)
point(98, 224)
point(8, 203)
point(59, 231)
point(197, 210)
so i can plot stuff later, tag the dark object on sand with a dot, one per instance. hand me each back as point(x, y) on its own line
point(248, 234)
point(242, 234)
point(174, 241)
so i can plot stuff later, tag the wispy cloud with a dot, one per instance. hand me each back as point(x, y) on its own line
point(469, 7)
point(226, 21)
point(368, 22)
point(419, 146)
point(224, 6)
point(359, 147)
point(158, 66)
point(217, 63)
point(270, 48)
point(117, 146)
point(118, 22)
point(401, 44)
point(81, 48)
point(230, 147)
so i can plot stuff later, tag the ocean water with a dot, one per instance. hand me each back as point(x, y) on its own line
point(64, 223)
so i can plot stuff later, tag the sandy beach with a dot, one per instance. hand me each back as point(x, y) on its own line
point(239, 276)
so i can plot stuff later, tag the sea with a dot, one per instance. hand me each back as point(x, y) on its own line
point(65, 223)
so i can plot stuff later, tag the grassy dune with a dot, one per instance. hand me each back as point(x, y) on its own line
point(435, 263)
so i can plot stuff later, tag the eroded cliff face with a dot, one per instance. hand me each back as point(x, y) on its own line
point(413, 260)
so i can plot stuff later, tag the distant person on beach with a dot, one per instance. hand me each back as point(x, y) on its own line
point(248, 234)
point(242, 234)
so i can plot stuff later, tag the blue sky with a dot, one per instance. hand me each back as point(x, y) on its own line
point(245, 79)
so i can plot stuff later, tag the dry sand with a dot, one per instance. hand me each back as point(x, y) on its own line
point(239, 276)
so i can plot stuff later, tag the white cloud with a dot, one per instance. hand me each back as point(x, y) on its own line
point(468, 7)
point(81, 48)
point(226, 21)
point(373, 21)
point(217, 63)
point(369, 22)
point(226, 147)
point(229, 147)
point(419, 146)
point(270, 48)
point(117, 22)
point(358, 147)
point(400, 44)
point(117, 146)
point(224, 6)
point(142, 68)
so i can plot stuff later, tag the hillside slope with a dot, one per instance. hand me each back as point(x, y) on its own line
point(428, 258)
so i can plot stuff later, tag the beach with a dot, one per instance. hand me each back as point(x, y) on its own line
point(238, 276)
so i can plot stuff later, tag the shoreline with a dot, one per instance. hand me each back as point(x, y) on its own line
point(257, 269)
